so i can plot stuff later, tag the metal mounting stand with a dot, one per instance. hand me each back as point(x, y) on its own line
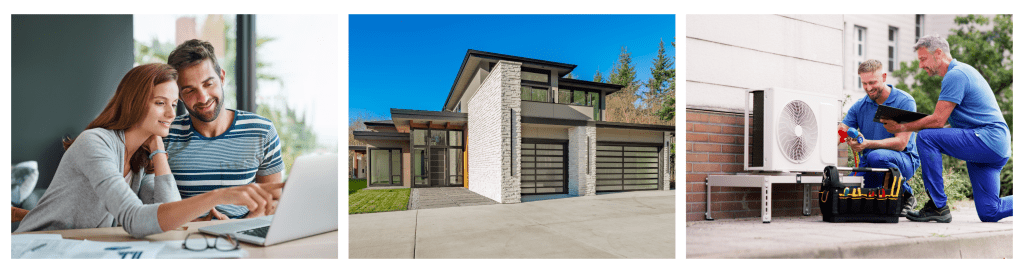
point(765, 182)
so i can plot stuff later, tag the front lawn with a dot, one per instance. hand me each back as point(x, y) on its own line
point(379, 200)
point(355, 184)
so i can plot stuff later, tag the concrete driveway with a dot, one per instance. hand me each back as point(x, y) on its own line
point(618, 225)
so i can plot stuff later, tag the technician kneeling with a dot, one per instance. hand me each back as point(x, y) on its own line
point(979, 135)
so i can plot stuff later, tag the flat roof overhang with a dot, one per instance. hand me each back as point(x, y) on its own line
point(380, 123)
point(605, 87)
point(368, 135)
point(406, 119)
point(635, 126)
point(357, 149)
point(473, 60)
point(598, 124)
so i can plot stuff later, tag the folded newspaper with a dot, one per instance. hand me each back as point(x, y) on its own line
point(52, 246)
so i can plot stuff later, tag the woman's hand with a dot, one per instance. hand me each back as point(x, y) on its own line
point(259, 198)
point(213, 214)
point(154, 142)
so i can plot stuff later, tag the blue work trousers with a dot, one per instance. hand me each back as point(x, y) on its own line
point(983, 167)
point(882, 158)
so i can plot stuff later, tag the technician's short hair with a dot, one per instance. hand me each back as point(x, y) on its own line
point(869, 66)
point(932, 42)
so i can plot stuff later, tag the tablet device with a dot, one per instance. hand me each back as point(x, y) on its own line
point(896, 114)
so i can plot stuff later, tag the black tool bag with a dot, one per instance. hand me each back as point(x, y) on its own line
point(842, 203)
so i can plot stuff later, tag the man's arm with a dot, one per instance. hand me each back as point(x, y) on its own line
point(272, 178)
point(935, 120)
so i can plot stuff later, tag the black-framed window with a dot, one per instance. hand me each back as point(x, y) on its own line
point(535, 93)
point(893, 43)
point(535, 75)
point(535, 85)
point(579, 96)
point(385, 166)
point(438, 138)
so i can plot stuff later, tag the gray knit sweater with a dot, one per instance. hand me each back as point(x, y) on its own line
point(89, 190)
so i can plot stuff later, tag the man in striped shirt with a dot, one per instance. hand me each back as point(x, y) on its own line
point(212, 147)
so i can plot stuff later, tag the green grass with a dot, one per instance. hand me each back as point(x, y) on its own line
point(381, 200)
point(355, 184)
point(371, 201)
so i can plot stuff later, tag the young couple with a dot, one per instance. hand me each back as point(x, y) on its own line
point(138, 166)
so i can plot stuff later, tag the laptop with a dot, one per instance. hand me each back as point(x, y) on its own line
point(308, 206)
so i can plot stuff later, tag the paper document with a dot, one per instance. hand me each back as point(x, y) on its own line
point(20, 242)
point(115, 250)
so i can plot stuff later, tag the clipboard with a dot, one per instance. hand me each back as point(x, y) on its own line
point(896, 114)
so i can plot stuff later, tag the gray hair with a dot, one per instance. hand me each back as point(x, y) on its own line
point(932, 42)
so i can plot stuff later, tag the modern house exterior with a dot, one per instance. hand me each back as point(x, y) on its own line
point(513, 126)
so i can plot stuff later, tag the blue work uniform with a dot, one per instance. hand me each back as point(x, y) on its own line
point(861, 116)
point(979, 136)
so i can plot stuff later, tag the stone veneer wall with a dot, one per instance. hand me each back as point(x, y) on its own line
point(666, 162)
point(489, 135)
point(580, 182)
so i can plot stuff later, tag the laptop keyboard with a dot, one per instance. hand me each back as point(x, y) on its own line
point(260, 232)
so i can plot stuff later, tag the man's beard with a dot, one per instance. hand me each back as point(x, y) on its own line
point(214, 114)
point(877, 93)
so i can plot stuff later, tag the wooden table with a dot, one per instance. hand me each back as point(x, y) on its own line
point(321, 246)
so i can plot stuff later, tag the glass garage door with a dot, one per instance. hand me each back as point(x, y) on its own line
point(544, 168)
point(626, 168)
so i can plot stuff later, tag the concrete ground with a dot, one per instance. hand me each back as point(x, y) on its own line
point(618, 225)
point(810, 237)
point(444, 197)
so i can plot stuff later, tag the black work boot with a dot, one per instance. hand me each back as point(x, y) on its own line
point(909, 204)
point(931, 213)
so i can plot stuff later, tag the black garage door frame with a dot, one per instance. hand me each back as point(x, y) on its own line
point(630, 144)
point(565, 163)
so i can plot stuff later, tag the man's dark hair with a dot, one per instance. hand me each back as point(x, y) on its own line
point(192, 52)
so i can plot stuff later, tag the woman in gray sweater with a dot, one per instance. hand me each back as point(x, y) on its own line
point(116, 172)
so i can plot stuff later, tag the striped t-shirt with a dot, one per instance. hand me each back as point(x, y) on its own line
point(250, 147)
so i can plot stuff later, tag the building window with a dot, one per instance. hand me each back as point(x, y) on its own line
point(533, 93)
point(918, 26)
point(564, 96)
point(893, 52)
point(859, 51)
point(534, 76)
point(437, 138)
point(581, 97)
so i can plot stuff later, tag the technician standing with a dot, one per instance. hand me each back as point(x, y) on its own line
point(979, 135)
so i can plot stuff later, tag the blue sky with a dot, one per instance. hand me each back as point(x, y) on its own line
point(410, 61)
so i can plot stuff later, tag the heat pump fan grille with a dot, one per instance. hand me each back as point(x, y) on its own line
point(797, 131)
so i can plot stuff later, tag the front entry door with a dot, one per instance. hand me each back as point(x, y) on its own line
point(437, 170)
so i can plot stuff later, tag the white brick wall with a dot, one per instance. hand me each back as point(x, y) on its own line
point(582, 183)
point(489, 133)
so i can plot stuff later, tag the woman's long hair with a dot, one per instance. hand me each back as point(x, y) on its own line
point(131, 103)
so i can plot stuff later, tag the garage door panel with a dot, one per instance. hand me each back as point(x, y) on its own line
point(627, 168)
point(544, 168)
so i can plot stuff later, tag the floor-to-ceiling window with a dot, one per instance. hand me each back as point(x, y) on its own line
point(437, 157)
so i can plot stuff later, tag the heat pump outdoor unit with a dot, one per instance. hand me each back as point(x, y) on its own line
point(792, 131)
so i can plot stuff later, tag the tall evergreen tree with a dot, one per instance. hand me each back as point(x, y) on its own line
point(668, 108)
point(624, 71)
point(598, 78)
point(661, 73)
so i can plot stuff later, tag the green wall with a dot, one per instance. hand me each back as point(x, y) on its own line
point(64, 69)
